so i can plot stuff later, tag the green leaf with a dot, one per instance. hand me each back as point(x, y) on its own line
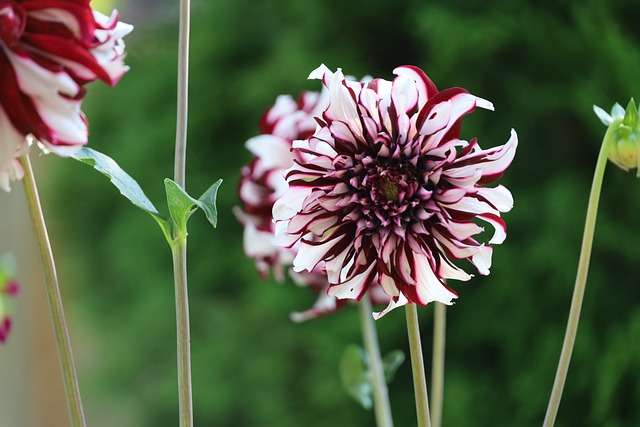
point(182, 205)
point(127, 186)
point(391, 362)
point(208, 203)
point(355, 377)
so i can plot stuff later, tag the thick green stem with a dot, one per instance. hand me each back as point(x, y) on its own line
point(70, 379)
point(417, 366)
point(437, 364)
point(382, 407)
point(578, 290)
point(179, 246)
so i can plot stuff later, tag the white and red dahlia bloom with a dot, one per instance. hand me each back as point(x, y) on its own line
point(263, 183)
point(385, 191)
point(263, 180)
point(48, 51)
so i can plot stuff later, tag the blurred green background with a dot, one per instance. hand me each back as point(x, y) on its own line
point(543, 64)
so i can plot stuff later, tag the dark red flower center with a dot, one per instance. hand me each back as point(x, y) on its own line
point(12, 22)
point(388, 191)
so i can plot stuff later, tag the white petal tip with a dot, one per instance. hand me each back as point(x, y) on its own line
point(483, 103)
point(319, 72)
point(604, 117)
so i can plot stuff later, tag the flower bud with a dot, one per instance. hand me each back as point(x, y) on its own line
point(623, 135)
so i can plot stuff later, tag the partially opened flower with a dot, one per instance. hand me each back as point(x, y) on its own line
point(385, 191)
point(48, 51)
point(623, 135)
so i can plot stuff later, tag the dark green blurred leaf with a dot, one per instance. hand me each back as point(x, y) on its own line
point(391, 362)
point(354, 374)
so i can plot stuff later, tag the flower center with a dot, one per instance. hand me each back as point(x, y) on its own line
point(390, 188)
point(12, 22)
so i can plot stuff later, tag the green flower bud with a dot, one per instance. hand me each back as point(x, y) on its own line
point(623, 135)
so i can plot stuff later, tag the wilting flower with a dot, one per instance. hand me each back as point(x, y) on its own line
point(48, 51)
point(263, 183)
point(623, 135)
point(385, 191)
point(8, 287)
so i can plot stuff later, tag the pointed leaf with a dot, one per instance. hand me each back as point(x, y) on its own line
point(127, 186)
point(391, 362)
point(355, 376)
point(181, 205)
point(208, 203)
point(631, 115)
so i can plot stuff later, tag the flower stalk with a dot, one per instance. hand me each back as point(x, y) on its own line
point(580, 284)
point(70, 379)
point(381, 405)
point(178, 251)
point(417, 366)
point(179, 246)
point(437, 364)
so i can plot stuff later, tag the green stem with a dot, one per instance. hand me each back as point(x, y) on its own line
point(382, 406)
point(183, 94)
point(179, 252)
point(417, 366)
point(578, 290)
point(70, 379)
point(179, 246)
point(437, 364)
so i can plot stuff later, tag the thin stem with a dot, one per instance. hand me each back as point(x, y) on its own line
point(417, 366)
point(183, 94)
point(437, 364)
point(179, 246)
point(70, 379)
point(382, 407)
point(179, 251)
point(578, 290)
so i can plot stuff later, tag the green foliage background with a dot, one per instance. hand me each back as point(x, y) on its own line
point(543, 64)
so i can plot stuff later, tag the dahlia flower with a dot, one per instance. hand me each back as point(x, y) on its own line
point(263, 183)
point(384, 192)
point(48, 51)
point(263, 180)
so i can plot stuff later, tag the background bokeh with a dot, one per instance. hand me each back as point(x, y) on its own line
point(543, 64)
